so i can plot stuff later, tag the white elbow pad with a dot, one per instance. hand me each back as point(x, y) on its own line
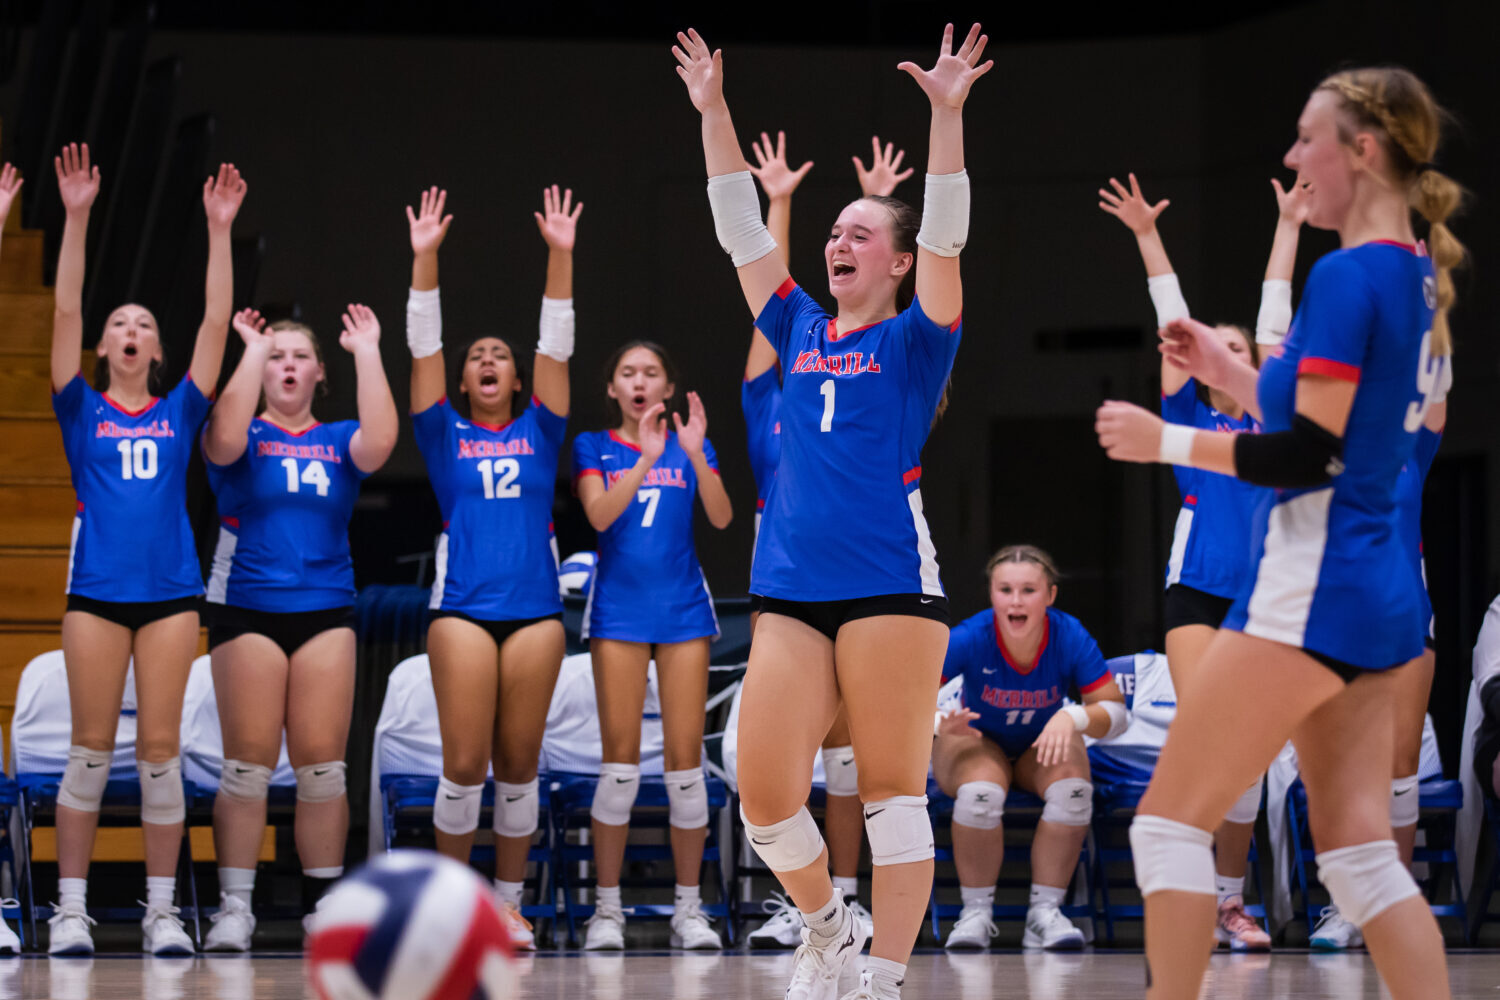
point(556, 329)
point(424, 323)
point(737, 222)
point(1119, 718)
point(1275, 316)
point(945, 214)
point(1166, 296)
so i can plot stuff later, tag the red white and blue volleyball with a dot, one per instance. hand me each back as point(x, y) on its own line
point(411, 925)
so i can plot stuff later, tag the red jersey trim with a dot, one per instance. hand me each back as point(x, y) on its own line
point(957, 323)
point(759, 504)
point(1408, 247)
point(230, 522)
point(785, 288)
point(617, 439)
point(911, 475)
point(833, 329)
point(1333, 369)
point(1005, 654)
point(314, 424)
point(130, 413)
point(80, 506)
point(492, 427)
point(1190, 500)
point(1098, 684)
point(588, 472)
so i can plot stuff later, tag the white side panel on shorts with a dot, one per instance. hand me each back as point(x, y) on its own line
point(588, 607)
point(72, 551)
point(711, 609)
point(1180, 535)
point(440, 561)
point(218, 576)
point(1288, 573)
point(928, 552)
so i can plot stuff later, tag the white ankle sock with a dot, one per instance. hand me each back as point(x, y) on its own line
point(239, 882)
point(1225, 887)
point(72, 893)
point(607, 895)
point(684, 894)
point(509, 892)
point(848, 886)
point(1047, 895)
point(827, 920)
point(886, 976)
point(983, 895)
point(160, 891)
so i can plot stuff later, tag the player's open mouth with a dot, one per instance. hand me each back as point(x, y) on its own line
point(131, 350)
point(638, 401)
point(1018, 621)
point(842, 269)
point(289, 382)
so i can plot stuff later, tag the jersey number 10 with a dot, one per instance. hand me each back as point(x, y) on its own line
point(137, 459)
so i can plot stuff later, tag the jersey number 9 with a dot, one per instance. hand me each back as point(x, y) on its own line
point(1429, 372)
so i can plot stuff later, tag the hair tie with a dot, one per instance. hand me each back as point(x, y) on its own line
point(1425, 166)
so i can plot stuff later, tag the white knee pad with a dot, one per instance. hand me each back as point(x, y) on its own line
point(687, 799)
point(1171, 856)
point(455, 808)
point(979, 804)
point(1406, 801)
point(516, 808)
point(614, 796)
point(321, 782)
point(162, 800)
point(899, 829)
point(1247, 807)
point(789, 845)
point(1365, 880)
point(245, 781)
point(840, 773)
point(84, 779)
point(1068, 802)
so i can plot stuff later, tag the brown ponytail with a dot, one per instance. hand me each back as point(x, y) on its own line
point(1397, 106)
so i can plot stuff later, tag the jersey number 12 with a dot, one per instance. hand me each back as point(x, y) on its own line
point(499, 476)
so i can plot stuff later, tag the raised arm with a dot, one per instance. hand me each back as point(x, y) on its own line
point(373, 443)
point(731, 192)
point(1139, 216)
point(222, 197)
point(945, 208)
point(424, 312)
point(885, 170)
point(691, 436)
point(78, 186)
point(778, 181)
point(1275, 317)
point(228, 428)
point(603, 505)
point(558, 224)
point(10, 186)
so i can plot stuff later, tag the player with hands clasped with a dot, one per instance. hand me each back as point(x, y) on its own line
point(1209, 563)
point(134, 588)
point(1315, 649)
point(638, 482)
point(496, 639)
point(1019, 659)
point(855, 615)
point(281, 593)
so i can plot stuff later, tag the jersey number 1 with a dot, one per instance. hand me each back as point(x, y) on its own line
point(827, 390)
point(314, 475)
point(137, 459)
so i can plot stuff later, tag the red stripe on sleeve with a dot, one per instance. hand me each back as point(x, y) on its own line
point(911, 475)
point(1097, 684)
point(1333, 369)
point(588, 472)
point(1190, 500)
point(786, 288)
point(956, 323)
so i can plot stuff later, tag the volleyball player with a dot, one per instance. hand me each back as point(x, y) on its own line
point(1209, 563)
point(760, 398)
point(852, 607)
point(134, 587)
point(496, 639)
point(281, 627)
point(1019, 658)
point(1314, 651)
point(637, 482)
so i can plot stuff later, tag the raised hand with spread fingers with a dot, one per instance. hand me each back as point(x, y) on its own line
point(884, 172)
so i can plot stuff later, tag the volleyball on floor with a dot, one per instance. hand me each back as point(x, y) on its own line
point(411, 925)
point(576, 574)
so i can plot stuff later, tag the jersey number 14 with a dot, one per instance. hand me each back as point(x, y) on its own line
point(313, 474)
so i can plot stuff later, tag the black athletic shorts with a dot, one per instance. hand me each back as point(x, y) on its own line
point(498, 630)
point(288, 629)
point(1347, 672)
point(828, 616)
point(134, 614)
point(757, 604)
point(1190, 606)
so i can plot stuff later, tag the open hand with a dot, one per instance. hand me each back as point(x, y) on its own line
point(251, 326)
point(777, 179)
point(1131, 207)
point(700, 69)
point(1292, 205)
point(947, 83)
point(651, 432)
point(10, 186)
point(77, 180)
point(558, 220)
point(361, 329)
point(882, 177)
point(223, 195)
point(690, 435)
point(428, 224)
point(1128, 433)
point(957, 723)
point(1055, 740)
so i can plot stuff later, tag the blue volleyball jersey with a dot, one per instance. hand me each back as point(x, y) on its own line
point(1409, 508)
point(760, 399)
point(132, 541)
point(284, 508)
point(497, 555)
point(1333, 574)
point(1211, 541)
point(844, 516)
point(648, 586)
point(1015, 704)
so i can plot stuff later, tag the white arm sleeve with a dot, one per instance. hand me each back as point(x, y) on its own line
point(737, 222)
point(945, 214)
point(556, 329)
point(1275, 312)
point(424, 323)
point(1166, 296)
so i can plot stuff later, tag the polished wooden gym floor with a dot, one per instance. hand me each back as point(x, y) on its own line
point(1104, 975)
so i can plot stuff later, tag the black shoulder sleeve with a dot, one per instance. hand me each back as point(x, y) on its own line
point(1307, 455)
